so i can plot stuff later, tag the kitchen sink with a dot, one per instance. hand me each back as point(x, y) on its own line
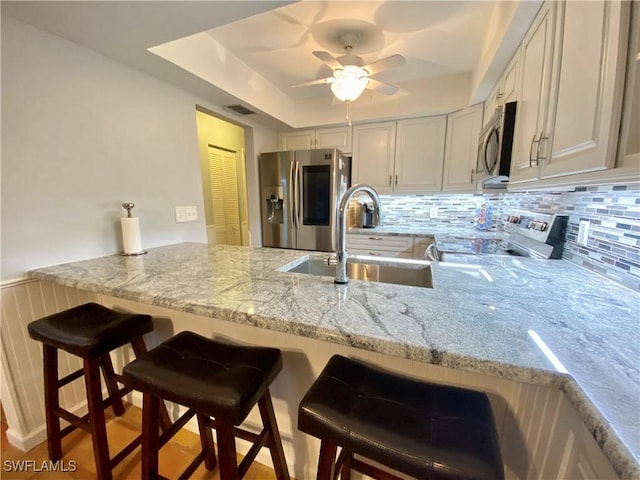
point(396, 271)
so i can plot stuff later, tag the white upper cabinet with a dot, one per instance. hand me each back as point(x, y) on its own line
point(400, 157)
point(629, 144)
point(338, 137)
point(374, 147)
point(586, 88)
point(572, 65)
point(463, 130)
point(510, 80)
point(534, 85)
point(298, 140)
point(419, 154)
point(505, 90)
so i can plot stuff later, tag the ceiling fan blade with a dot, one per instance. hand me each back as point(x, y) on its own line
point(319, 81)
point(385, 64)
point(381, 87)
point(328, 59)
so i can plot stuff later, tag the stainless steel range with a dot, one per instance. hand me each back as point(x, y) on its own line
point(526, 233)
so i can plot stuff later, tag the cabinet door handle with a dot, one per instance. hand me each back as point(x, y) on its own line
point(538, 157)
point(374, 254)
point(533, 141)
point(389, 180)
point(471, 176)
point(396, 179)
point(375, 238)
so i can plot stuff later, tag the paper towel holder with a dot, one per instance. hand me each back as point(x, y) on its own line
point(128, 206)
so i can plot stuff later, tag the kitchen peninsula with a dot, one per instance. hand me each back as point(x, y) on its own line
point(502, 324)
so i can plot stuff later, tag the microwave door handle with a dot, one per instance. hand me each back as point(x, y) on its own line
point(484, 153)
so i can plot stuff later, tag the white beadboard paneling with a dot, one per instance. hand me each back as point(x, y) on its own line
point(22, 303)
point(530, 423)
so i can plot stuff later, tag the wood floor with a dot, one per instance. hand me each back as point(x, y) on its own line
point(174, 456)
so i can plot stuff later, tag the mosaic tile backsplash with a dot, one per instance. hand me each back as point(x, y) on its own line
point(613, 246)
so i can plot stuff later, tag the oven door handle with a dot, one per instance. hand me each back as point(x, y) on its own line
point(529, 251)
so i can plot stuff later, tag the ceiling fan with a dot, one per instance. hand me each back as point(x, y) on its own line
point(350, 75)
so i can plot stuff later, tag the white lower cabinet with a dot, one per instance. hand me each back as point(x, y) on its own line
point(420, 246)
point(399, 246)
point(380, 245)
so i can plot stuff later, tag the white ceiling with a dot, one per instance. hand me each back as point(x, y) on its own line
point(249, 52)
point(436, 38)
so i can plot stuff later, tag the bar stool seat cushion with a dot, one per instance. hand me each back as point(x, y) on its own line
point(90, 330)
point(212, 377)
point(421, 429)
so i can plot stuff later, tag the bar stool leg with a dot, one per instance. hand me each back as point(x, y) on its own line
point(206, 440)
point(345, 469)
point(96, 418)
point(227, 460)
point(150, 435)
point(112, 385)
point(275, 442)
point(52, 402)
point(327, 461)
point(139, 349)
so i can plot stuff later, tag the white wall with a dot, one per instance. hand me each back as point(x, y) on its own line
point(80, 135)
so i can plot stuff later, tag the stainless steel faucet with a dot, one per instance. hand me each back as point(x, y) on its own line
point(341, 253)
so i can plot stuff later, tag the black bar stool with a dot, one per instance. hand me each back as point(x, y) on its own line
point(89, 331)
point(218, 382)
point(419, 429)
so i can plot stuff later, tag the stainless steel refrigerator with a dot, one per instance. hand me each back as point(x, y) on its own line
point(300, 191)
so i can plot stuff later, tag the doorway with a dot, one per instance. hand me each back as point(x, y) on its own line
point(224, 196)
point(222, 163)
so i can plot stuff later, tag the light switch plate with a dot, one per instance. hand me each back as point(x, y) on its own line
point(186, 214)
point(583, 232)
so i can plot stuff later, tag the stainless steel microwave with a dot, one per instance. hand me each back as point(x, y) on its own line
point(495, 145)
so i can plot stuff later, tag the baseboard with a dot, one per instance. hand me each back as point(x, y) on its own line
point(38, 435)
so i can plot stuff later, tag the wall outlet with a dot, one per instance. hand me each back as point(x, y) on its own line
point(583, 232)
point(186, 214)
point(433, 212)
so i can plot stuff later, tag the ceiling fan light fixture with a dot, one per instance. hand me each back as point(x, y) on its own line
point(349, 83)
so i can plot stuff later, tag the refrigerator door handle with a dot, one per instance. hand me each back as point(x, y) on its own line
point(297, 190)
point(292, 200)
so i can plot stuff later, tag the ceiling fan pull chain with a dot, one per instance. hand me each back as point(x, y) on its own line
point(348, 102)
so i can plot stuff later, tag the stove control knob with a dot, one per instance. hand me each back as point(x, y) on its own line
point(537, 225)
point(541, 226)
point(512, 219)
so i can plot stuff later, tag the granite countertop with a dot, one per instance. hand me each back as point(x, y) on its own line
point(479, 316)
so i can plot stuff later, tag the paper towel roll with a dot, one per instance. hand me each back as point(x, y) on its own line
point(131, 235)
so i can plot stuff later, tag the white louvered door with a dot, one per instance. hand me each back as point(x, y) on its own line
point(224, 195)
